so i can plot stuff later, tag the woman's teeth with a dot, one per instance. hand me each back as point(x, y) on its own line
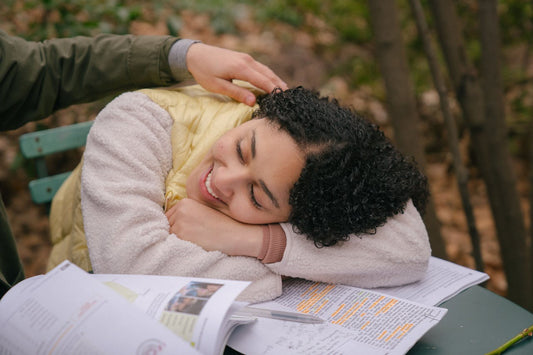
point(208, 185)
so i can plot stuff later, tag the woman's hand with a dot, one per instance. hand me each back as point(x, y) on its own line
point(214, 68)
point(213, 230)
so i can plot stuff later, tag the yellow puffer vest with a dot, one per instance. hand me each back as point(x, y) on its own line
point(200, 118)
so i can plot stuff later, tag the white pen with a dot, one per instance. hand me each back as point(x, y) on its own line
point(275, 314)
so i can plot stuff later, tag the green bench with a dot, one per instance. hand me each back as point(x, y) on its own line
point(38, 145)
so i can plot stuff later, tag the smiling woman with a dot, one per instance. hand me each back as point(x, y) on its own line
point(199, 185)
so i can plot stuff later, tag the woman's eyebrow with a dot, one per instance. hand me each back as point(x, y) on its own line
point(253, 144)
point(269, 193)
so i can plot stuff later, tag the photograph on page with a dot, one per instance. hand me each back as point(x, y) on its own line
point(184, 308)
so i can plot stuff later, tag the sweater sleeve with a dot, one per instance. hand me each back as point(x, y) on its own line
point(398, 253)
point(126, 161)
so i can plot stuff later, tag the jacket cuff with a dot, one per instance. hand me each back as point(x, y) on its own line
point(274, 243)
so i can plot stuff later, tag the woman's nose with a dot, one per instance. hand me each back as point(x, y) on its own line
point(231, 178)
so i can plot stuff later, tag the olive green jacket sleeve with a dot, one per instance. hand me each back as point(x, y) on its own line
point(37, 78)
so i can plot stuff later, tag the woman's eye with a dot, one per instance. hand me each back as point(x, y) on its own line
point(252, 198)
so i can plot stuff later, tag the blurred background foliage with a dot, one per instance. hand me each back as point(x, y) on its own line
point(39, 20)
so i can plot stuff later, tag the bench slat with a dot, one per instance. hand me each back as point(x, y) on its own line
point(43, 190)
point(54, 140)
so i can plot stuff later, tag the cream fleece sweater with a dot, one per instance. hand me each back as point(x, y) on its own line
point(127, 158)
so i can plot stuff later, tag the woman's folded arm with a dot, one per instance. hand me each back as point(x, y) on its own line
point(398, 253)
point(127, 158)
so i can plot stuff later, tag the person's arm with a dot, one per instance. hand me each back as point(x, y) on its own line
point(398, 253)
point(126, 161)
point(39, 78)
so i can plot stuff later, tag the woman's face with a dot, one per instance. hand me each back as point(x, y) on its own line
point(248, 173)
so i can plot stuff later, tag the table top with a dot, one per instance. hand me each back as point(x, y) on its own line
point(478, 321)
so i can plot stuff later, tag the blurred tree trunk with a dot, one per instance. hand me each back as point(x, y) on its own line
point(530, 179)
point(515, 244)
point(392, 60)
point(530, 134)
point(489, 145)
point(461, 173)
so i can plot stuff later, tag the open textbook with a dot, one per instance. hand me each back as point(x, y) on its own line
point(68, 311)
point(357, 321)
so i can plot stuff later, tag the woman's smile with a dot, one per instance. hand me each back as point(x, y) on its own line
point(208, 184)
point(206, 190)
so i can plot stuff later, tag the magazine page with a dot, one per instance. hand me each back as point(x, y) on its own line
point(196, 309)
point(443, 280)
point(68, 312)
point(356, 321)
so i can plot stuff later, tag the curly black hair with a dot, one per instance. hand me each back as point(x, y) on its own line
point(353, 178)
